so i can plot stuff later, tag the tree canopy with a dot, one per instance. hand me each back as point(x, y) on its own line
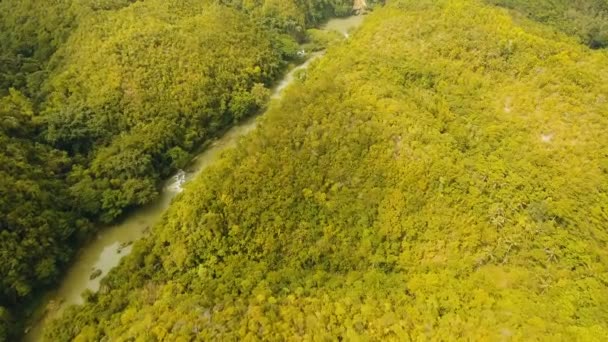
point(132, 91)
point(587, 20)
point(441, 175)
point(100, 100)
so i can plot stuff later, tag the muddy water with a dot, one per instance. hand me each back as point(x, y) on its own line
point(344, 25)
point(112, 243)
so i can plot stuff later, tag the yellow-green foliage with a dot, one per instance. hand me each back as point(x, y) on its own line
point(587, 20)
point(102, 99)
point(295, 16)
point(442, 175)
point(136, 88)
point(32, 30)
point(37, 220)
point(322, 39)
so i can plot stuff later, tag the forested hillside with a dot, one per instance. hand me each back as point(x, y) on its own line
point(587, 20)
point(101, 100)
point(136, 91)
point(442, 175)
point(32, 30)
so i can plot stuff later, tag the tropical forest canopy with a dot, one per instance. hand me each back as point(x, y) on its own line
point(587, 20)
point(101, 100)
point(440, 175)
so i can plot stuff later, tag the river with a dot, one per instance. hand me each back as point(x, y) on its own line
point(114, 242)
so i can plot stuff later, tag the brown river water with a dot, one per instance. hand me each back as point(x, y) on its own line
point(112, 243)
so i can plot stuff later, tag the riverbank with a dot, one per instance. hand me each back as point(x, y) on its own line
point(114, 242)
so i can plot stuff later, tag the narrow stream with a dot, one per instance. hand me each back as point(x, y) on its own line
point(113, 243)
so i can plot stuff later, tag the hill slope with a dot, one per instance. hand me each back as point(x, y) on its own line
point(587, 20)
point(441, 175)
point(100, 100)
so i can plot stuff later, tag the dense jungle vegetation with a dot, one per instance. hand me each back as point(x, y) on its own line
point(102, 99)
point(585, 19)
point(442, 175)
